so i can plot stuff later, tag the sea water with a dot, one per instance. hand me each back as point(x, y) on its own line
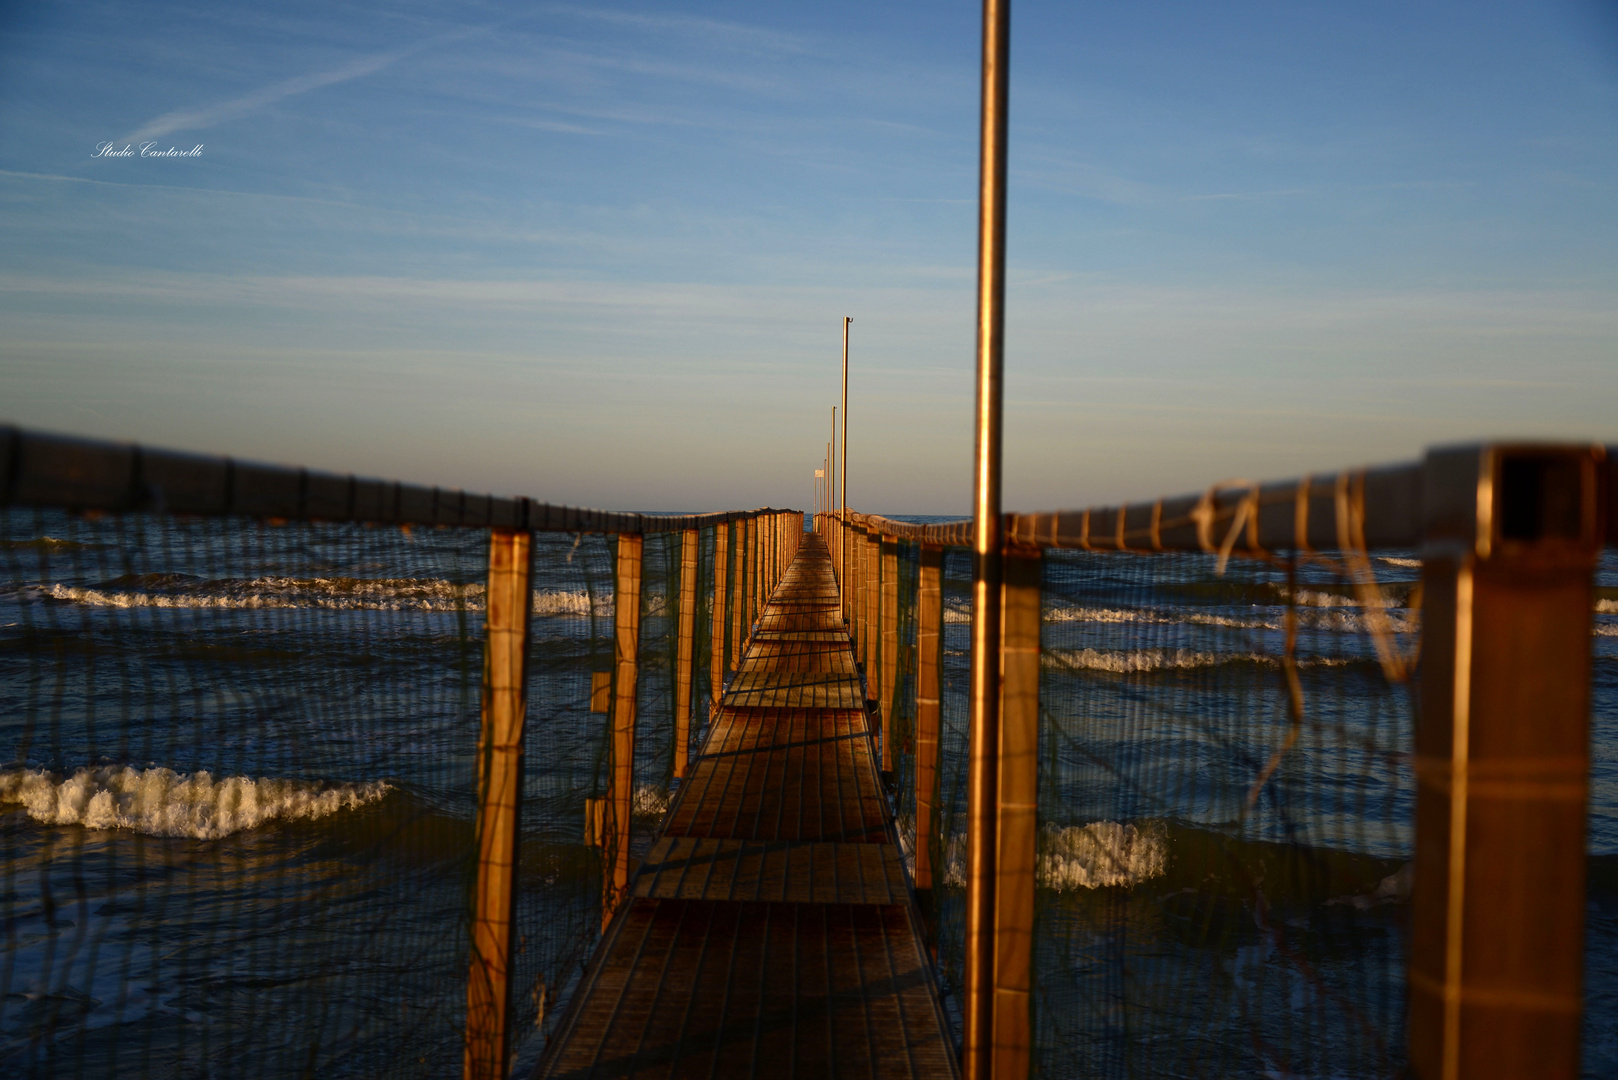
point(237, 773)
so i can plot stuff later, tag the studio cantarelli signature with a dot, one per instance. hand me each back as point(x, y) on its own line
point(145, 149)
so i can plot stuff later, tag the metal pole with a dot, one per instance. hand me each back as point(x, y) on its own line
point(843, 513)
point(982, 793)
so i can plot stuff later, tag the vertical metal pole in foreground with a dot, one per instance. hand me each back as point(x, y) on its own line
point(1502, 760)
point(929, 640)
point(685, 660)
point(1015, 822)
point(988, 530)
point(505, 670)
point(889, 683)
point(626, 672)
point(842, 512)
point(721, 567)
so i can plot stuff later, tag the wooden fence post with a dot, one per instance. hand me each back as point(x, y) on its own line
point(752, 582)
point(929, 642)
point(626, 651)
point(685, 661)
point(738, 603)
point(721, 567)
point(1016, 814)
point(1502, 759)
point(889, 547)
point(508, 598)
point(871, 644)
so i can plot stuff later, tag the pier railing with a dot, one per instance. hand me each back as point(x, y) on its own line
point(349, 808)
point(1293, 777)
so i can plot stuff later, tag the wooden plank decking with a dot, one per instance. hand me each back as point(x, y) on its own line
point(770, 930)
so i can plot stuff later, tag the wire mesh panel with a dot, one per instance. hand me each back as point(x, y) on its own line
point(1226, 806)
point(1600, 1043)
point(558, 912)
point(237, 797)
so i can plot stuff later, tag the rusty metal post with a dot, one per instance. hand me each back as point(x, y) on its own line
point(721, 567)
point(685, 660)
point(626, 671)
point(1502, 760)
point(1015, 824)
point(505, 670)
point(929, 650)
point(889, 683)
point(988, 533)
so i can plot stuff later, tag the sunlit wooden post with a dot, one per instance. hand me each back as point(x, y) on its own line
point(508, 598)
point(685, 661)
point(1016, 812)
point(721, 567)
point(889, 682)
point(738, 603)
point(1502, 761)
point(929, 648)
point(752, 581)
point(626, 672)
point(872, 642)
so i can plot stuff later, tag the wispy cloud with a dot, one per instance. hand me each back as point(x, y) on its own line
point(205, 116)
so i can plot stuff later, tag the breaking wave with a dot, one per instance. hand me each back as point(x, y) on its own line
point(1130, 661)
point(1607, 607)
point(339, 593)
point(162, 802)
point(1101, 855)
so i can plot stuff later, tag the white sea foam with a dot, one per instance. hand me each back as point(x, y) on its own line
point(1130, 661)
point(342, 594)
point(1103, 854)
point(650, 801)
point(1392, 561)
point(162, 802)
point(1607, 607)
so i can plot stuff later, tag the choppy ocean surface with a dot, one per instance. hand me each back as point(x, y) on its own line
point(236, 799)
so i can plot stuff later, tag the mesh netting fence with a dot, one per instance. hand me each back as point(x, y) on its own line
point(1226, 808)
point(1226, 804)
point(238, 792)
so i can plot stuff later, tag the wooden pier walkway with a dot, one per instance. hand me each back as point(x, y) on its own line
point(770, 932)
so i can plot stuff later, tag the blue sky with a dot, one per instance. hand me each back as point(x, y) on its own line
point(600, 254)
